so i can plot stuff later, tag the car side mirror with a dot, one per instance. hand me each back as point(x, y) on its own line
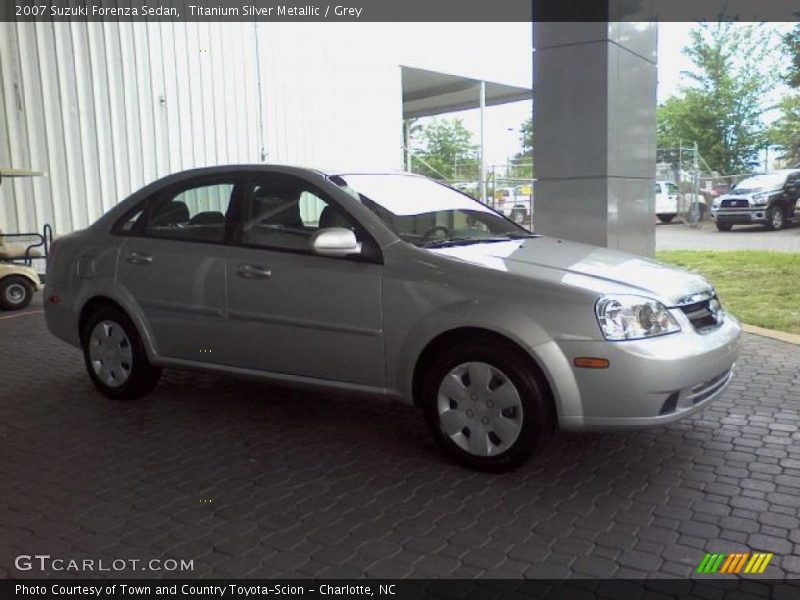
point(335, 241)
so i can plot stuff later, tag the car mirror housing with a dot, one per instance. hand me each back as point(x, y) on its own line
point(335, 241)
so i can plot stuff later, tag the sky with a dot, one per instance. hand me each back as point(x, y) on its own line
point(503, 122)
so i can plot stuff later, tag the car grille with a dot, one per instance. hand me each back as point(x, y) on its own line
point(735, 203)
point(702, 314)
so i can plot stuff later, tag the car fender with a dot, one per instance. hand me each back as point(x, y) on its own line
point(492, 316)
point(120, 295)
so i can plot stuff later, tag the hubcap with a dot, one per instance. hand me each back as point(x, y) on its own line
point(15, 293)
point(777, 218)
point(480, 409)
point(110, 353)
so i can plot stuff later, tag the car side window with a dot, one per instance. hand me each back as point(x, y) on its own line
point(197, 213)
point(658, 188)
point(672, 188)
point(284, 212)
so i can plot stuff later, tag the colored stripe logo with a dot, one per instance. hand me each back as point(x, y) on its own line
point(736, 563)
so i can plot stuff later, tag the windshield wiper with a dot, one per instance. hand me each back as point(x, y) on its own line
point(463, 241)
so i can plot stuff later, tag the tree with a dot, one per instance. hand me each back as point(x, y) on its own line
point(446, 151)
point(785, 132)
point(522, 163)
point(722, 107)
point(791, 42)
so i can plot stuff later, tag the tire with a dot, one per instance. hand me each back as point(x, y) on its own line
point(523, 426)
point(115, 357)
point(776, 219)
point(723, 226)
point(16, 292)
point(666, 218)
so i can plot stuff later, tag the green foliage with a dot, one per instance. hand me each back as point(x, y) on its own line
point(791, 43)
point(521, 166)
point(526, 131)
point(785, 131)
point(722, 107)
point(446, 151)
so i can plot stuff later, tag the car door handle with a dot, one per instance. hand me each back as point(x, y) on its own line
point(139, 258)
point(253, 272)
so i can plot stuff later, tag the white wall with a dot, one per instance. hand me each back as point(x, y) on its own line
point(105, 108)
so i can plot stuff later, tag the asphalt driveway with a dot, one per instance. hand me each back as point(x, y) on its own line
point(248, 480)
point(677, 236)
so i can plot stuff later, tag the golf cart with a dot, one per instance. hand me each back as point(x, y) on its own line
point(19, 253)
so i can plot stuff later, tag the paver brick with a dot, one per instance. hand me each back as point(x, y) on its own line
point(253, 480)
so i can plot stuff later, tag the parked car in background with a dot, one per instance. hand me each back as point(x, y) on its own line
point(769, 199)
point(667, 201)
point(504, 199)
point(387, 285)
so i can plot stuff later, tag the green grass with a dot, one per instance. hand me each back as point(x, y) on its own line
point(759, 287)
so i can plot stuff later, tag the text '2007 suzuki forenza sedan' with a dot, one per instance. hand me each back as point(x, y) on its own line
point(391, 285)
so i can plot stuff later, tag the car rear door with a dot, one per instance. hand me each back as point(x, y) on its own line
point(294, 312)
point(172, 265)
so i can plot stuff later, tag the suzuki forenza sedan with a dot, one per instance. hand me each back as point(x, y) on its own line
point(387, 285)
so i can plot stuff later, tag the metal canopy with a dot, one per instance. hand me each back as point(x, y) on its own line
point(427, 93)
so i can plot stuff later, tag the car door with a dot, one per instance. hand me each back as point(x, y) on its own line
point(792, 195)
point(294, 312)
point(172, 265)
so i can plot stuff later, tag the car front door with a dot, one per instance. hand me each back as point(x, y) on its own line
point(172, 265)
point(791, 193)
point(292, 311)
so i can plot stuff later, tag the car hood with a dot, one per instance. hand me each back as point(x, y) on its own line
point(591, 267)
point(750, 192)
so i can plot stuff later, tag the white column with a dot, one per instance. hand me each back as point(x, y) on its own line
point(483, 147)
point(595, 125)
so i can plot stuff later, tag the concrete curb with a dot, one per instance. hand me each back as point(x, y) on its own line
point(789, 338)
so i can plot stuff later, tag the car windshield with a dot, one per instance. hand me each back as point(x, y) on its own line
point(426, 213)
point(768, 181)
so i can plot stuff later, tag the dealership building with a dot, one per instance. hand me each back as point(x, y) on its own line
point(104, 108)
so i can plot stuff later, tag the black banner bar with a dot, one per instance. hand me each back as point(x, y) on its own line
point(717, 587)
point(400, 10)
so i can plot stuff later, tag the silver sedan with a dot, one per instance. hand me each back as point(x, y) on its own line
point(387, 285)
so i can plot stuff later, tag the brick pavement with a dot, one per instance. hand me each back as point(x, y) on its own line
point(254, 481)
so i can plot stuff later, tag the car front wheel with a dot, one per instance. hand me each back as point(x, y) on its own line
point(115, 357)
point(775, 218)
point(16, 292)
point(485, 407)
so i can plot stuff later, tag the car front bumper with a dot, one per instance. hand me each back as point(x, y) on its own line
point(648, 382)
point(740, 216)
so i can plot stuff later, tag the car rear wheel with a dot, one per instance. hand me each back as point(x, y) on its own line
point(485, 407)
point(666, 218)
point(16, 292)
point(115, 357)
point(775, 218)
point(723, 226)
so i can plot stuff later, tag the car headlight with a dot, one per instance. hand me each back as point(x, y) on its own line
point(715, 204)
point(633, 317)
point(760, 199)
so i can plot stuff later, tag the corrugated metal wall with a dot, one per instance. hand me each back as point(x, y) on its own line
point(105, 108)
